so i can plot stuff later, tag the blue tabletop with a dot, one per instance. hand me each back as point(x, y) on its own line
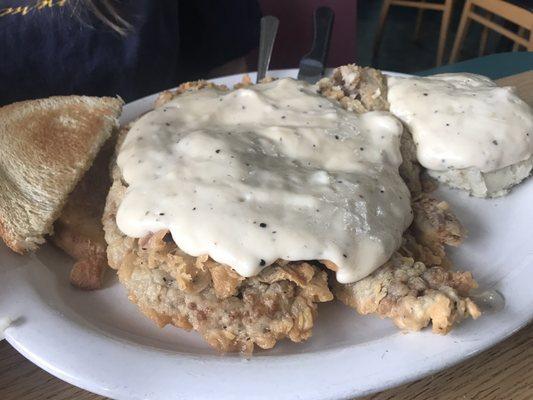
point(494, 66)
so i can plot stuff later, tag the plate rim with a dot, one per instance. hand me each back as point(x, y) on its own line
point(336, 392)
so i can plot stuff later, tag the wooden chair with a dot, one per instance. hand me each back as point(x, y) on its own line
point(483, 11)
point(445, 6)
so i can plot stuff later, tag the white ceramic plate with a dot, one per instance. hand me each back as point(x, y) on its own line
point(100, 342)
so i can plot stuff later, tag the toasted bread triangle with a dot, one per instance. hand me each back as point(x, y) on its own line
point(46, 146)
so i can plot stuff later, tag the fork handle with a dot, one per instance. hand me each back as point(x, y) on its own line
point(324, 17)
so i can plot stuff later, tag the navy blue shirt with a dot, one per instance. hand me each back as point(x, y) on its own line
point(58, 47)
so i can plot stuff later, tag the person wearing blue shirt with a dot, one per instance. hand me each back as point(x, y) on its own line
point(130, 48)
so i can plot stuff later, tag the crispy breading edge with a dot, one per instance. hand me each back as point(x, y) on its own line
point(202, 293)
point(411, 294)
point(84, 204)
point(416, 287)
point(308, 281)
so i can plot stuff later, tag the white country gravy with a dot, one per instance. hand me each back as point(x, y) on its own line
point(463, 121)
point(272, 171)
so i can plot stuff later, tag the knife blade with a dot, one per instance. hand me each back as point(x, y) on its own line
point(313, 63)
point(269, 29)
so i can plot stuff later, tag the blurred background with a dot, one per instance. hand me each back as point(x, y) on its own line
point(356, 26)
point(134, 48)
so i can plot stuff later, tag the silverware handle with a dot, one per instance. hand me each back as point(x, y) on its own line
point(269, 29)
point(324, 17)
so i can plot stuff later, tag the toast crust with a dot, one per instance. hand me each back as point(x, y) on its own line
point(46, 146)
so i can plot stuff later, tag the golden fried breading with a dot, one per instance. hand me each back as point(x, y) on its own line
point(412, 295)
point(433, 227)
point(358, 89)
point(78, 231)
point(415, 288)
point(435, 222)
point(231, 312)
point(363, 89)
point(167, 95)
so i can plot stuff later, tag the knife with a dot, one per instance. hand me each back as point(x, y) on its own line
point(269, 29)
point(313, 64)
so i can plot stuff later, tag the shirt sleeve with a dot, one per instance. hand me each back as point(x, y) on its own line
point(213, 32)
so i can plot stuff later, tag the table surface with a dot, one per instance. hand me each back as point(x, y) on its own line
point(503, 372)
point(495, 66)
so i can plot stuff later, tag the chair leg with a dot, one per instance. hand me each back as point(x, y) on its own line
point(484, 36)
point(382, 18)
point(418, 25)
point(444, 25)
point(461, 31)
point(521, 33)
